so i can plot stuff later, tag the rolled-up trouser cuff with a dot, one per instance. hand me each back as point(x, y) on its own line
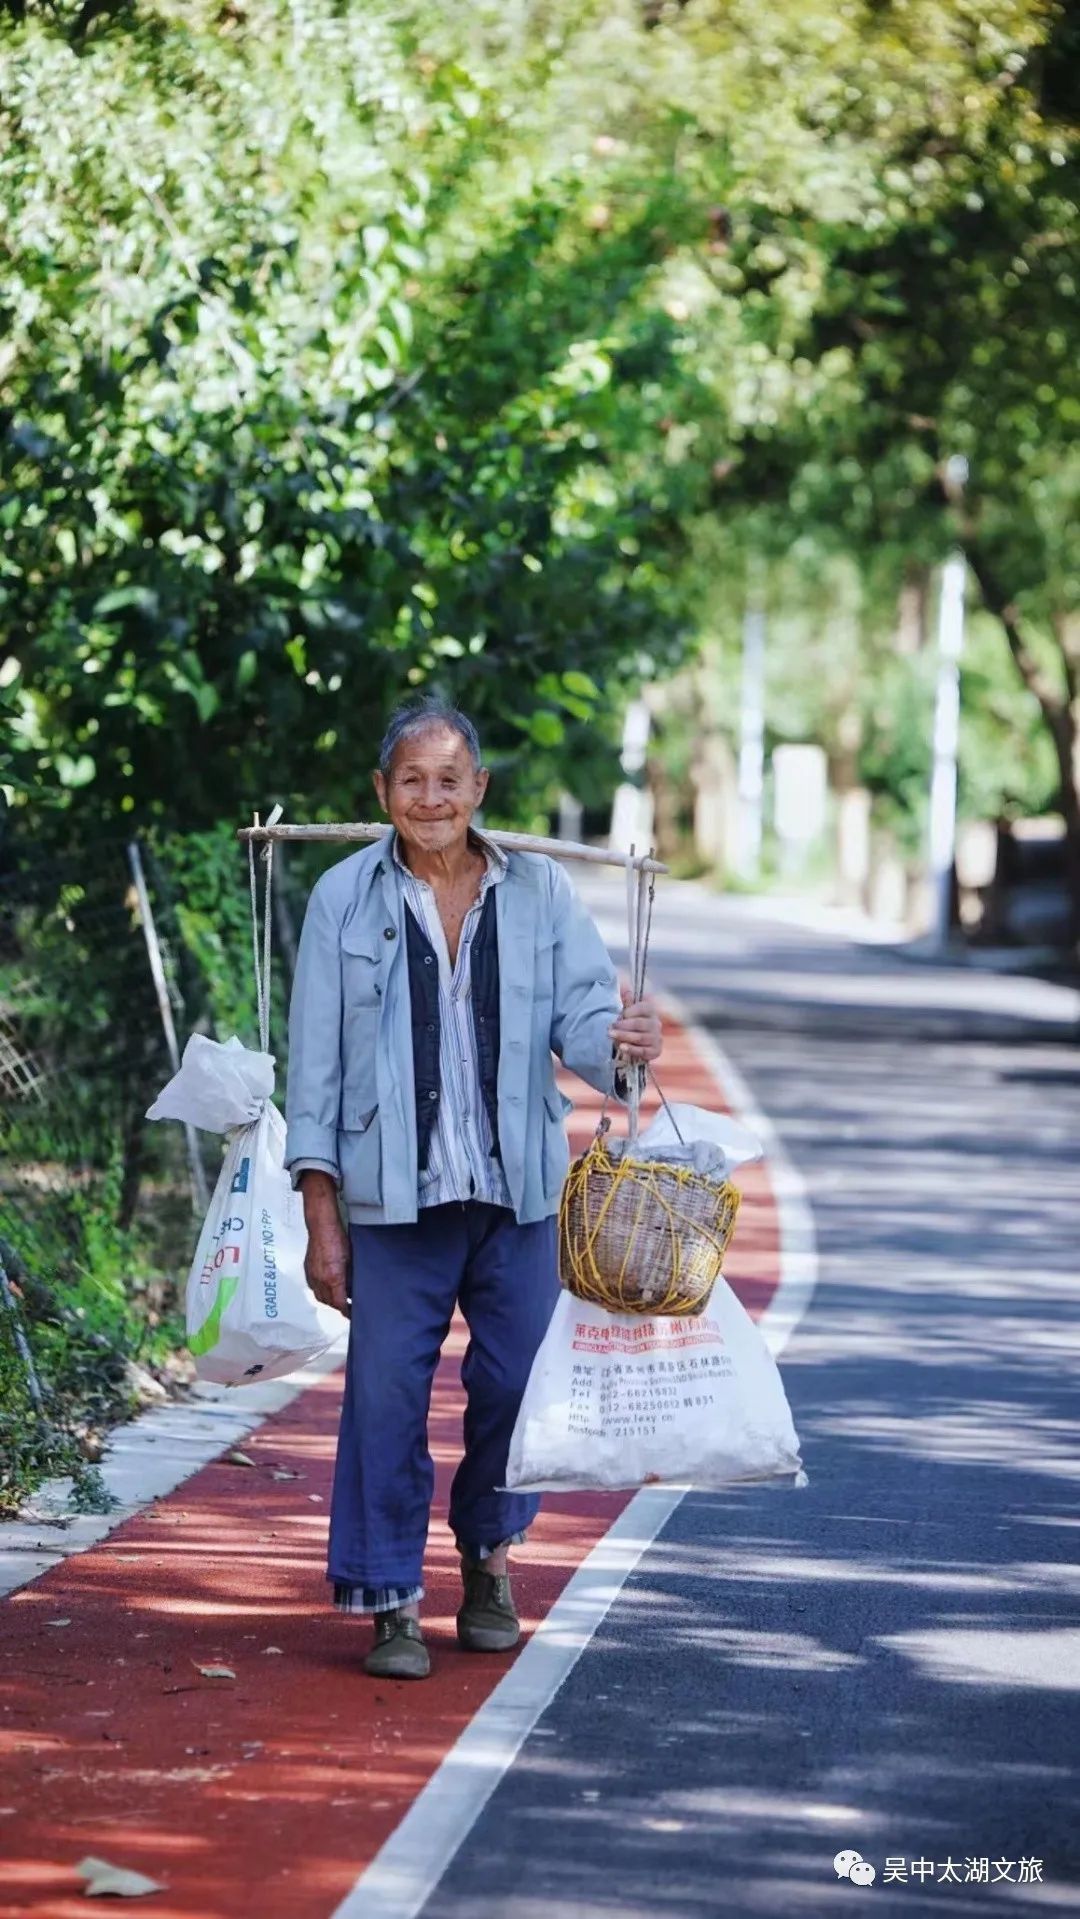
point(476, 1553)
point(370, 1599)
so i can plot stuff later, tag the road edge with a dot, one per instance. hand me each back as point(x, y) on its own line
point(147, 1457)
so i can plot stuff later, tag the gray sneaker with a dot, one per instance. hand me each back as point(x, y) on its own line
point(399, 1651)
point(487, 1621)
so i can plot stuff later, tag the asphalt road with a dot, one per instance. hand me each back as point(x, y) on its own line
point(889, 1659)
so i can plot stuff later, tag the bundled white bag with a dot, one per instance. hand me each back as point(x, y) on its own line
point(677, 1123)
point(617, 1400)
point(250, 1313)
point(218, 1087)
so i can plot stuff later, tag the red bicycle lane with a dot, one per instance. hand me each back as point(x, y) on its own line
point(275, 1786)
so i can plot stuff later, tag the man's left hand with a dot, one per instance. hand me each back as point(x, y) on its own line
point(636, 1032)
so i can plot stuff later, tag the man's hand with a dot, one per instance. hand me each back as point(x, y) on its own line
point(636, 1032)
point(326, 1265)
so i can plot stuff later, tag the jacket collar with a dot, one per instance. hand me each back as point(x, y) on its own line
point(498, 863)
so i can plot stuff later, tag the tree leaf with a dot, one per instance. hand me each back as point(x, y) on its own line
point(581, 684)
point(102, 1877)
point(547, 729)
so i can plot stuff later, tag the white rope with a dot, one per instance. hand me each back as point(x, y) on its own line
point(639, 907)
point(262, 961)
point(633, 929)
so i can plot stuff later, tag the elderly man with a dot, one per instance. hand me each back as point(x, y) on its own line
point(436, 977)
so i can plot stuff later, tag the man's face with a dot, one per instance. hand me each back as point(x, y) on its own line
point(432, 789)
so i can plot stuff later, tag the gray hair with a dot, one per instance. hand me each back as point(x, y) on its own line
point(419, 716)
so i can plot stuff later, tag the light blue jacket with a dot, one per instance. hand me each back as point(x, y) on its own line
point(350, 1101)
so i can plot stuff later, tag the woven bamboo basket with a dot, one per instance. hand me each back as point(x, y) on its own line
point(643, 1236)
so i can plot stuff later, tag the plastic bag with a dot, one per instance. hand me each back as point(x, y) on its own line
point(737, 1143)
point(250, 1314)
point(615, 1400)
point(218, 1086)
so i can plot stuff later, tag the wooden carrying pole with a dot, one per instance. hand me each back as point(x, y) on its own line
point(510, 842)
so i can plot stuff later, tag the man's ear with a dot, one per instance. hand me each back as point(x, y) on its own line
point(482, 779)
point(378, 781)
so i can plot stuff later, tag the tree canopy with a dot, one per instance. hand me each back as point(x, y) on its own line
point(355, 349)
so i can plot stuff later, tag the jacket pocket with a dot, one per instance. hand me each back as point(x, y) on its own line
point(361, 975)
point(556, 1151)
point(361, 1012)
point(360, 1155)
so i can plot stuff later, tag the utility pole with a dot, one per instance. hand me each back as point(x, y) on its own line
point(631, 817)
point(950, 639)
point(751, 741)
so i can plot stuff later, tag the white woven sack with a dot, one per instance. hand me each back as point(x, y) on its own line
point(615, 1401)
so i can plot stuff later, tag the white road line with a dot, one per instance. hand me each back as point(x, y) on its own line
point(146, 1459)
point(408, 1868)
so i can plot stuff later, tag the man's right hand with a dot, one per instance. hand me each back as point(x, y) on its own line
point(326, 1265)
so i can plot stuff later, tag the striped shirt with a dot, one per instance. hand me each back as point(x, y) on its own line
point(460, 1164)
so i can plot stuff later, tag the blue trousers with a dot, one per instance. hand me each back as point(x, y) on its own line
point(405, 1282)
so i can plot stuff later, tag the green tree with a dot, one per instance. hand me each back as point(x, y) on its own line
point(322, 382)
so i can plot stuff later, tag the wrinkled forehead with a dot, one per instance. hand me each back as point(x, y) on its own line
point(434, 749)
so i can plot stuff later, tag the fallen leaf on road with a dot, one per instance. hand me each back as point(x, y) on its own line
point(282, 1472)
point(103, 1877)
point(236, 1458)
point(267, 1649)
point(58, 1622)
point(214, 1672)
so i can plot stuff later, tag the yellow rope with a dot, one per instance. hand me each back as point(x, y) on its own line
point(593, 1269)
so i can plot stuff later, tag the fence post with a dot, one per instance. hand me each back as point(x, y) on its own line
point(22, 1344)
point(200, 1197)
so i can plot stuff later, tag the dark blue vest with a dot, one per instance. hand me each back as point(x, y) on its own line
point(424, 997)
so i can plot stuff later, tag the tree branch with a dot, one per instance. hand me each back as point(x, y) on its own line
point(1067, 633)
point(1052, 702)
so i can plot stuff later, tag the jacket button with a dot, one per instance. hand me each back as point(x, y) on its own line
point(390, 933)
point(481, 1020)
point(433, 1095)
point(431, 1025)
point(428, 961)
